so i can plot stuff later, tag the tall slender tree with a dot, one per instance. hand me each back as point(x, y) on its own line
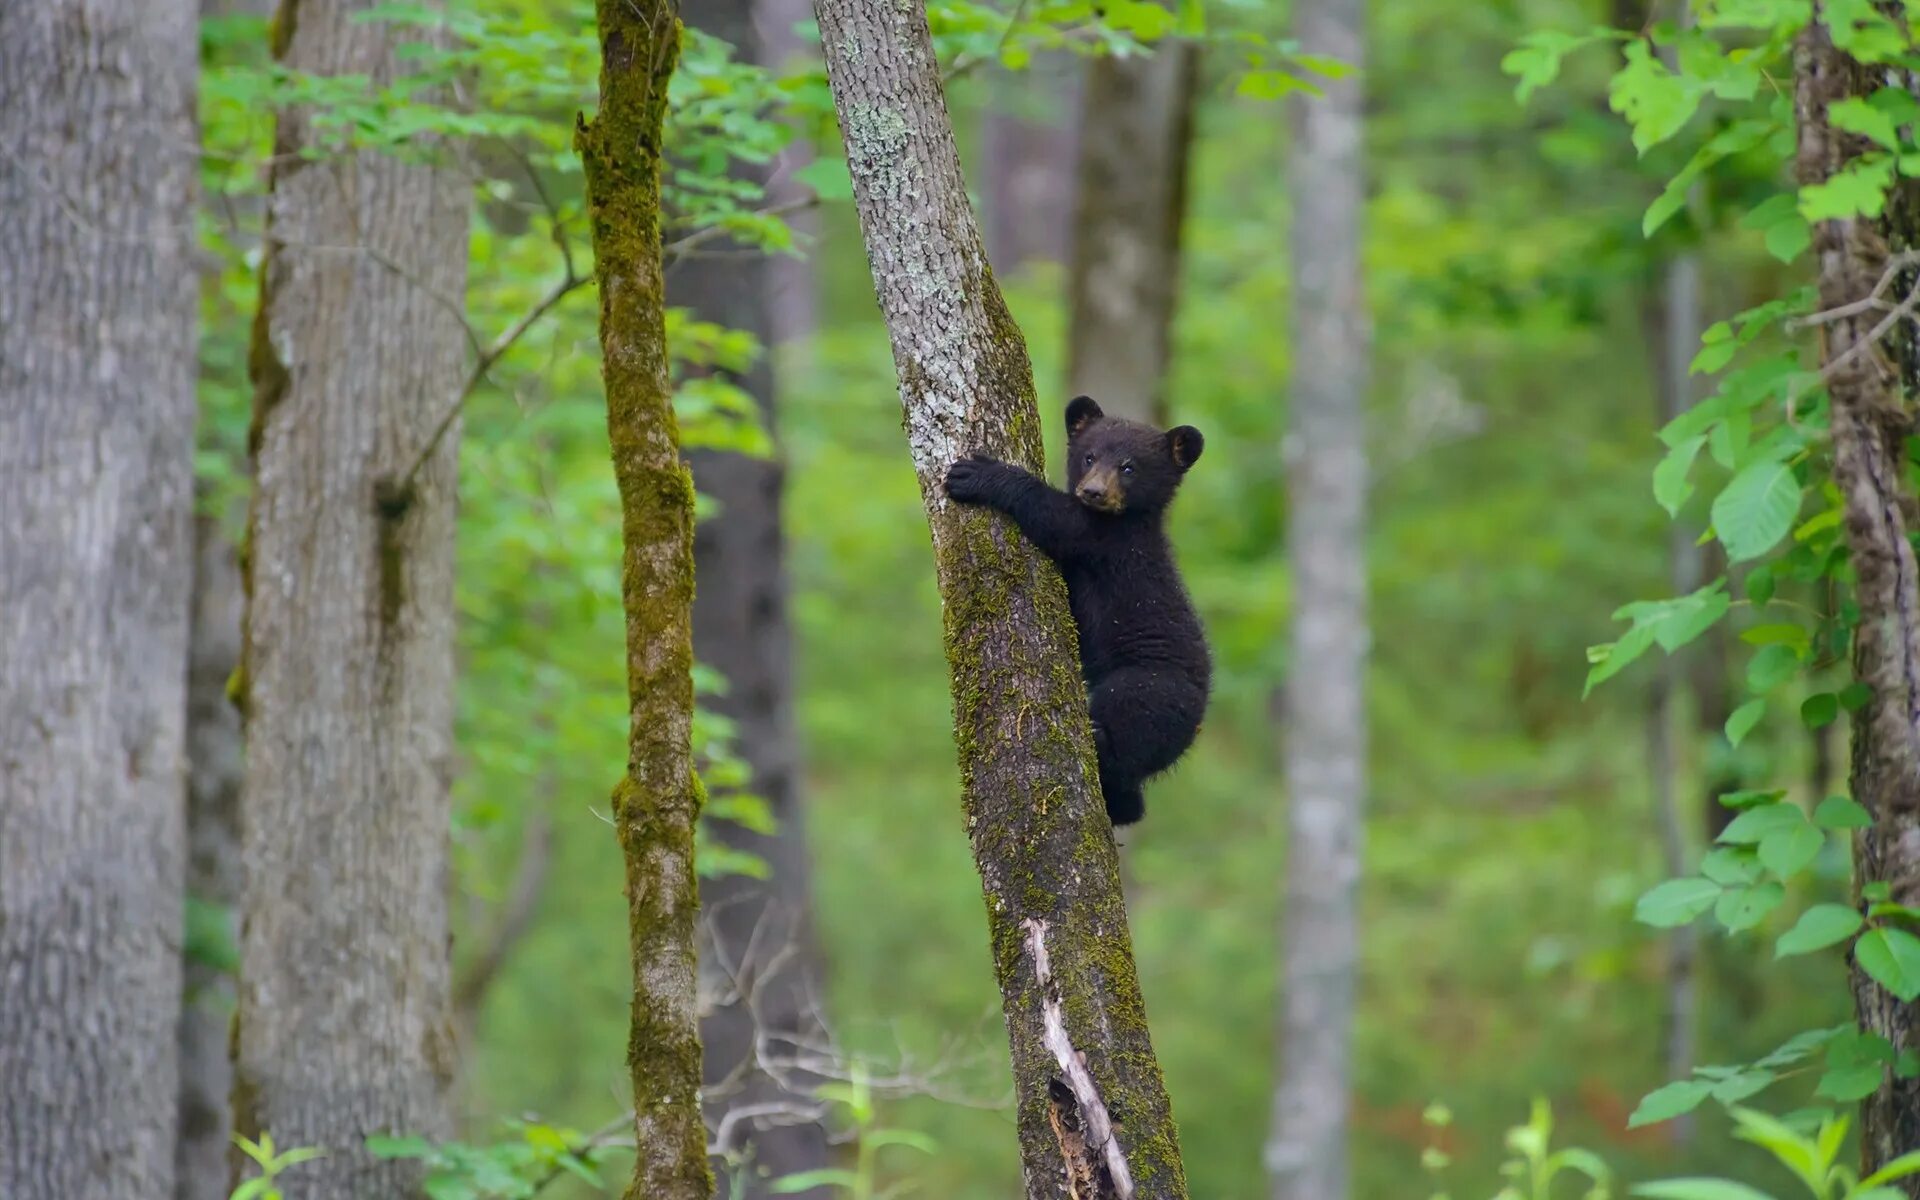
point(657, 804)
point(1136, 129)
point(1093, 1116)
point(1325, 702)
point(762, 927)
point(1871, 403)
point(343, 1028)
point(97, 302)
point(1027, 138)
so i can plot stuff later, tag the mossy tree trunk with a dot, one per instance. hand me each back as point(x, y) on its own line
point(343, 1026)
point(98, 295)
point(1094, 1120)
point(1870, 395)
point(657, 804)
point(1136, 129)
point(1325, 718)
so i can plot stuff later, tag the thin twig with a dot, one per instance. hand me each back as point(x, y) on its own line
point(489, 355)
point(679, 249)
point(965, 66)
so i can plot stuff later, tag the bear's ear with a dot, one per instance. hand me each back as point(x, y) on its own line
point(1081, 412)
point(1184, 444)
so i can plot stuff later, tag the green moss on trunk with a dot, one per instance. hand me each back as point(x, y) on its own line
point(658, 802)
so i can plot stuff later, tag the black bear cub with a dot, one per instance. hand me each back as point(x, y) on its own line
point(1142, 650)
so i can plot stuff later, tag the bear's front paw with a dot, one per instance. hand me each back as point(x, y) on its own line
point(971, 479)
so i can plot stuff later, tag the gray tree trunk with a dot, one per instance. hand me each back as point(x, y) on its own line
point(1093, 1116)
point(214, 765)
point(1325, 699)
point(343, 1027)
point(1869, 408)
point(762, 928)
point(98, 295)
point(792, 281)
point(1027, 139)
point(1674, 329)
point(1136, 129)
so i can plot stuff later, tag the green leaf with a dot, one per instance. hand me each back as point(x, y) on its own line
point(1771, 667)
point(1741, 908)
point(1854, 696)
point(1670, 486)
point(1730, 866)
point(1756, 509)
point(1744, 718)
point(1855, 115)
point(1848, 1084)
point(1891, 957)
point(1740, 1086)
point(1820, 710)
point(383, 1146)
point(1698, 1189)
point(801, 1181)
point(1754, 824)
point(1841, 812)
point(1821, 926)
point(1663, 1104)
point(1787, 851)
point(1858, 191)
point(1676, 902)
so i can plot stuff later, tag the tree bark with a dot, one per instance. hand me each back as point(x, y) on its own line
point(1027, 138)
point(1136, 130)
point(658, 802)
point(214, 764)
point(792, 280)
point(97, 319)
point(1673, 328)
point(1093, 1115)
point(1869, 406)
point(1325, 700)
point(762, 928)
point(343, 1027)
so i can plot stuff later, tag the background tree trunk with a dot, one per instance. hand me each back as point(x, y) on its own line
point(1869, 469)
point(1325, 698)
point(1673, 328)
point(792, 281)
point(1081, 1052)
point(657, 804)
point(98, 295)
point(1136, 128)
point(214, 765)
point(1027, 138)
point(762, 927)
point(343, 1027)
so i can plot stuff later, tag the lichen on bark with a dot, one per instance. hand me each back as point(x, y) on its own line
point(1040, 836)
point(658, 802)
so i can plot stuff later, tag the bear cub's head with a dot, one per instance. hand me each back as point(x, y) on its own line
point(1116, 466)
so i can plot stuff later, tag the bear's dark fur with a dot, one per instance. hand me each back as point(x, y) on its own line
point(1142, 650)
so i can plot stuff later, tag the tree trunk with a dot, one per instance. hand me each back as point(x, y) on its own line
point(98, 295)
point(214, 763)
point(1083, 1062)
point(762, 928)
point(1136, 129)
point(1325, 702)
point(657, 804)
point(343, 1027)
point(1869, 404)
point(1673, 328)
point(1027, 140)
point(792, 280)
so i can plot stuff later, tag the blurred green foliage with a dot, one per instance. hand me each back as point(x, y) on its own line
point(1511, 828)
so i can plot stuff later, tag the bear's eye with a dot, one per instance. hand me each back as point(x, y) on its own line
point(1126, 468)
point(1089, 460)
